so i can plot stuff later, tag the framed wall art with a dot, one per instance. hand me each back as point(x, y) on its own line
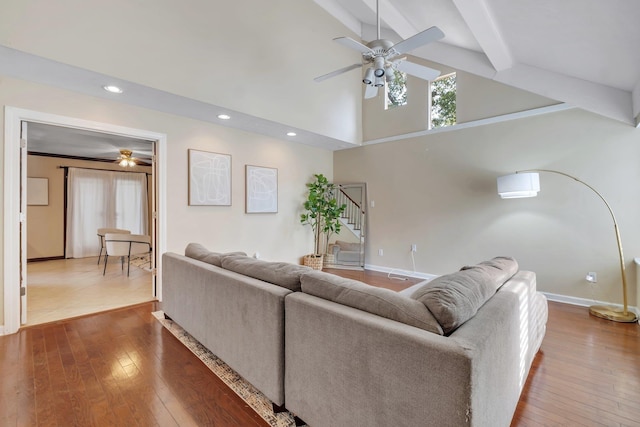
point(209, 178)
point(37, 191)
point(262, 189)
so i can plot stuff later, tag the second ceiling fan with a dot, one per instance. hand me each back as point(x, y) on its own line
point(381, 57)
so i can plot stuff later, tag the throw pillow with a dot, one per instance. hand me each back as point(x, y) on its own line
point(455, 298)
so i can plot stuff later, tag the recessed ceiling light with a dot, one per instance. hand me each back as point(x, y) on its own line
point(224, 116)
point(291, 134)
point(112, 89)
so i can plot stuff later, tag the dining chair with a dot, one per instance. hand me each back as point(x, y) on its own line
point(125, 245)
point(101, 234)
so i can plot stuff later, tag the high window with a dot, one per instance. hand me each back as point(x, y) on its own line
point(396, 90)
point(443, 101)
point(442, 98)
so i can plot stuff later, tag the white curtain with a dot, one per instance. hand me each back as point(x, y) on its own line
point(103, 199)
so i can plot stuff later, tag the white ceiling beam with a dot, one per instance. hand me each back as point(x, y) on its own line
point(600, 99)
point(393, 18)
point(596, 98)
point(478, 17)
point(334, 8)
point(498, 64)
point(458, 58)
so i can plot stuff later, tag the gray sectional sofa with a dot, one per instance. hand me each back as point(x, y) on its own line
point(455, 351)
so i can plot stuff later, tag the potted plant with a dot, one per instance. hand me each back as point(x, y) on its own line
point(322, 214)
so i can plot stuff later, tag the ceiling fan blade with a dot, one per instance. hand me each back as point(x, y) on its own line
point(417, 70)
point(370, 92)
point(352, 44)
point(336, 72)
point(427, 36)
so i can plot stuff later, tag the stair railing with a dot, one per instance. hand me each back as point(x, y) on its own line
point(353, 213)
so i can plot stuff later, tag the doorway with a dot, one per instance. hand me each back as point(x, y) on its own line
point(14, 257)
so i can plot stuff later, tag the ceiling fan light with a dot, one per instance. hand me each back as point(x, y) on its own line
point(378, 63)
point(368, 76)
point(123, 162)
point(131, 163)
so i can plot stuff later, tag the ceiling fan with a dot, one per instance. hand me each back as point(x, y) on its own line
point(125, 159)
point(382, 58)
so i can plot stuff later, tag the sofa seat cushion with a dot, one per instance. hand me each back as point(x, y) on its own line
point(379, 301)
point(279, 273)
point(455, 298)
point(199, 252)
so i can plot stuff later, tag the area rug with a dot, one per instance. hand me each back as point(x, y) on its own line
point(254, 398)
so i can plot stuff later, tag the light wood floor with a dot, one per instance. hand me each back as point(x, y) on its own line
point(61, 289)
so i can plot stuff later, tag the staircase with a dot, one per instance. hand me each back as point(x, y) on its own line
point(352, 216)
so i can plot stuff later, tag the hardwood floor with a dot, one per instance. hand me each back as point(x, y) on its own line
point(66, 288)
point(123, 368)
point(586, 374)
point(118, 368)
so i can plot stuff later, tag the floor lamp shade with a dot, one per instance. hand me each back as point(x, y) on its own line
point(527, 184)
point(519, 185)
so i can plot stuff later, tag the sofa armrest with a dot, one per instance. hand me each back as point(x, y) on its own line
point(504, 336)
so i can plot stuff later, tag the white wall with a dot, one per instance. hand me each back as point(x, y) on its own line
point(276, 236)
point(439, 191)
point(258, 57)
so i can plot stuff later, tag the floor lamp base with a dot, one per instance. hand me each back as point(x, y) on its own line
point(610, 313)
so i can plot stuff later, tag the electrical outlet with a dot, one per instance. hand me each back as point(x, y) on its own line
point(592, 277)
point(414, 248)
point(380, 252)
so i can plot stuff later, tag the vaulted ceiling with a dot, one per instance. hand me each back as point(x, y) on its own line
point(242, 58)
point(582, 52)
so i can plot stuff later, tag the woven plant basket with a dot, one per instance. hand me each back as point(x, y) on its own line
point(313, 261)
point(329, 260)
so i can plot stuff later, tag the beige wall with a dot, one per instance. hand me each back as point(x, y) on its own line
point(478, 98)
point(439, 191)
point(276, 236)
point(45, 224)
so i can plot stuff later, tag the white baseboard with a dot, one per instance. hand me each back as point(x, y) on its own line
point(1, 330)
point(584, 302)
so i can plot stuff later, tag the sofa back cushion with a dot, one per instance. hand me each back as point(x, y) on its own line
point(279, 273)
point(379, 301)
point(455, 298)
point(199, 252)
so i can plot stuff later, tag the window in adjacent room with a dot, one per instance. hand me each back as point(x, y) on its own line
point(443, 101)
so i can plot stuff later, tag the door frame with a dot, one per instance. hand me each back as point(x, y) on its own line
point(13, 186)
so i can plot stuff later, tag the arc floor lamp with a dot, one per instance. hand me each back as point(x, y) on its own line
point(527, 184)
